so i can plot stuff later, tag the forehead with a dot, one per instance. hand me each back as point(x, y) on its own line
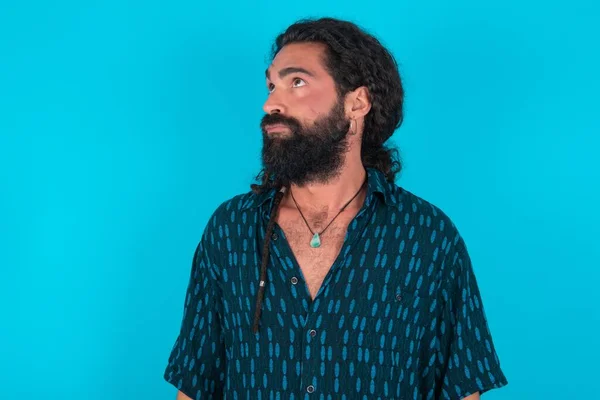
point(309, 56)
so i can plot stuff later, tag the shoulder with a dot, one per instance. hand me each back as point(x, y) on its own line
point(236, 209)
point(431, 226)
point(423, 214)
point(438, 234)
point(224, 222)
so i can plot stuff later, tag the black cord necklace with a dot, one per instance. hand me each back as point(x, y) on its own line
point(316, 239)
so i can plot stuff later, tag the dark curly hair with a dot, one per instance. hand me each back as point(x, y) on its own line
point(355, 58)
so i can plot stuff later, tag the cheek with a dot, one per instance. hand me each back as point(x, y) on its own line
point(314, 106)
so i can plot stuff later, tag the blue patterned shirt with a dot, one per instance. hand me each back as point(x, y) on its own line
point(398, 316)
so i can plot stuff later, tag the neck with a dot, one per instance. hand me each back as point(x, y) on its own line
point(333, 195)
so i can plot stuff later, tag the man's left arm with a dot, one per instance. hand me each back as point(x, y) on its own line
point(468, 365)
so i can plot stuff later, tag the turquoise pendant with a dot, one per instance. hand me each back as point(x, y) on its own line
point(315, 241)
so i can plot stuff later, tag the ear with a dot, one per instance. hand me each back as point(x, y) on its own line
point(358, 103)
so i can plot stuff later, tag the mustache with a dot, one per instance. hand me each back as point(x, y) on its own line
point(272, 119)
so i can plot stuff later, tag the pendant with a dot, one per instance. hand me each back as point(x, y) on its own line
point(315, 241)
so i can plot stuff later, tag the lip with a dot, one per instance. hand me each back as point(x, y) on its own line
point(276, 128)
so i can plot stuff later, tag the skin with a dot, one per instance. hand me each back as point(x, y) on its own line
point(299, 86)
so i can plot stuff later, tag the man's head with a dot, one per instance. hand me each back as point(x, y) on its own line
point(331, 87)
point(305, 127)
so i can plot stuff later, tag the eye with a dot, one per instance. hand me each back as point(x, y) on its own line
point(298, 80)
point(270, 87)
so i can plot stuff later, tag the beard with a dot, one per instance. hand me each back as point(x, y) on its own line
point(312, 154)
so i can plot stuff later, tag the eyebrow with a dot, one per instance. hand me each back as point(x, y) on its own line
point(289, 70)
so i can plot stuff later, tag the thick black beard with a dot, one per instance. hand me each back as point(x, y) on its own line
point(312, 154)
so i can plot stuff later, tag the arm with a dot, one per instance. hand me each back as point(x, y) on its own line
point(196, 364)
point(181, 396)
point(468, 364)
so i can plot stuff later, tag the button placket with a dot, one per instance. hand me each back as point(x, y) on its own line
point(311, 361)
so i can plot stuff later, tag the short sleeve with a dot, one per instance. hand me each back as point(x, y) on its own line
point(468, 359)
point(196, 365)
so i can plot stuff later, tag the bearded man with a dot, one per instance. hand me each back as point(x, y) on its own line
point(327, 280)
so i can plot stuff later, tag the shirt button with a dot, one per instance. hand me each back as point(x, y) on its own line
point(294, 280)
point(313, 333)
point(398, 297)
point(274, 236)
point(310, 388)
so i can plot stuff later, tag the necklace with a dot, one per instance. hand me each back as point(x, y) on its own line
point(316, 239)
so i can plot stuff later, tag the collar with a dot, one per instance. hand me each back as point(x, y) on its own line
point(376, 183)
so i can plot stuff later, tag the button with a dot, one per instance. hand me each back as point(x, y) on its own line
point(398, 297)
point(294, 280)
point(310, 388)
point(274, 236)
point(313, 333)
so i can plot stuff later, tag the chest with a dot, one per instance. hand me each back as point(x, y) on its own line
point(314, 262)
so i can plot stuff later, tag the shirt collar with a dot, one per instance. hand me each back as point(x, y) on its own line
point(376, 183)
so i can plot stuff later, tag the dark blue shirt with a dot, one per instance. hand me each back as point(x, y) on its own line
point(398, 316)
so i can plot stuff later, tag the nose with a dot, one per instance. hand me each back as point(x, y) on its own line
point(273, 105)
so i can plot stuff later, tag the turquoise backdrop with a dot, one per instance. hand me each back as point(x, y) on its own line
point(124, 124)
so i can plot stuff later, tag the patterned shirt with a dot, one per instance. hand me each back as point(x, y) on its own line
point(398, 316)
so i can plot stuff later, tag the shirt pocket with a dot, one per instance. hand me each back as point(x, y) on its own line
point(391, 336)
point(393, 329)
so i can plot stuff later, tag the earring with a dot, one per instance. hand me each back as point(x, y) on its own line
point(352, 131)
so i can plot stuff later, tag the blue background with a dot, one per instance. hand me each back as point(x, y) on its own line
point(123, 125)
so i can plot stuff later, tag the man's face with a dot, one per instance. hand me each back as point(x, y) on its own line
point(305, 129)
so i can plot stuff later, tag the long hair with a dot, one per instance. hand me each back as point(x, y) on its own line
point(354, 58)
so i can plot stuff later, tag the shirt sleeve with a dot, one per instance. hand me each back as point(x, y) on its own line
point(468, 359)
point(196, 365)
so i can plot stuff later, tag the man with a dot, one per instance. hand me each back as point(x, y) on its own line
point(327, 280)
